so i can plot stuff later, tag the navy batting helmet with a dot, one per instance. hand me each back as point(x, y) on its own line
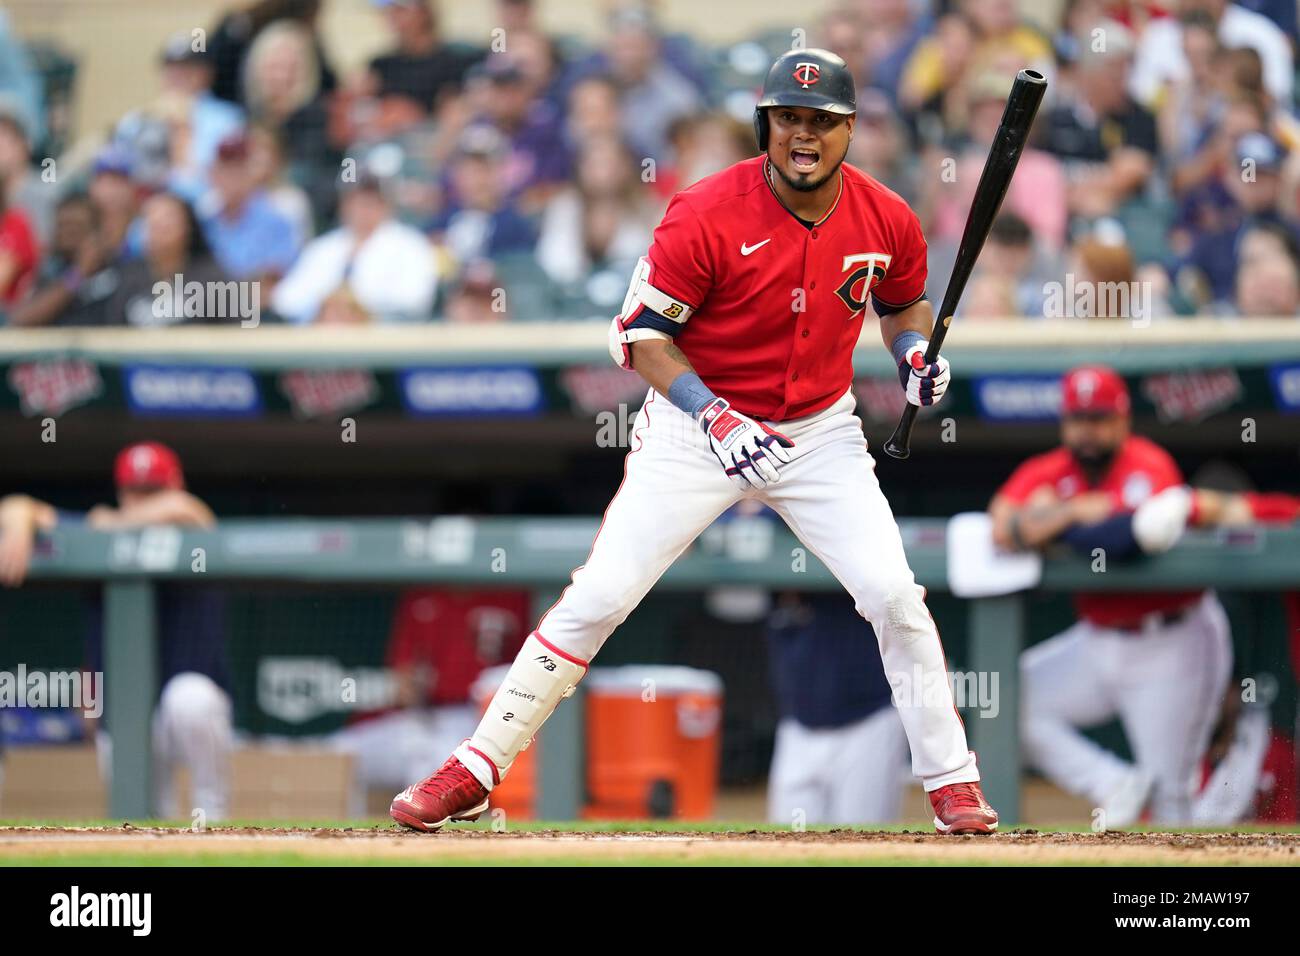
point(817, 79)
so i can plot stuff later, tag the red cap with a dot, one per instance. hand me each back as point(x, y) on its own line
point(1094, 390)
point(148, 464)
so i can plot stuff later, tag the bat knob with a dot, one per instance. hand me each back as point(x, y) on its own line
point(894, 450)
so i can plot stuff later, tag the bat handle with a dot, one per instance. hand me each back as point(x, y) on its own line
point(899, 443)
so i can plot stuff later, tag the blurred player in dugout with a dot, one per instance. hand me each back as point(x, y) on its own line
point(841, 754)
point(1159, 661)
point(192, 722)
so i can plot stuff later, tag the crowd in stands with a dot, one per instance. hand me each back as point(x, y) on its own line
point(521, 178)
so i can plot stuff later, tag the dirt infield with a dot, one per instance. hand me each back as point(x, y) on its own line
point(387, 845)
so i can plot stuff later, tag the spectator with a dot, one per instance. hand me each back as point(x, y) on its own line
point(1207, 274)
point(652, 93)
point(200, 120)
point(1193, 105)
point(19, 254)
point(968, 42)
point(282, 94)
point(892, 31)
point(537, 161)
point(411, 82)
point(1205, 203)
point(1012, 272)
point(175, 255)
point(603, 222)
point(21, 91)
point(266, 153)
point(1107, 141)
point(385, 267)
point(1268, 287)
point(482, 221)
point(477, 296)
point(116, 197)
point(77, 276)
point(592, 111)
point(250, 238)
point(20, 181)
point(880, 148)
point(703, 145)
point(192, 719)
point(1161, 60)
point(231, 39)
point(1038, 190)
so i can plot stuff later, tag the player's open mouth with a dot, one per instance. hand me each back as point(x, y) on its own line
point(804, 159)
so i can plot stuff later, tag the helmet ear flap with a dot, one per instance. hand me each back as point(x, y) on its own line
point(761, 129)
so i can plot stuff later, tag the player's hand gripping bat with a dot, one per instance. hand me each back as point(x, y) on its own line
point(1004, 154)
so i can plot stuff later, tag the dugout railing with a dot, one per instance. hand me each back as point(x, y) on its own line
point(538, 554)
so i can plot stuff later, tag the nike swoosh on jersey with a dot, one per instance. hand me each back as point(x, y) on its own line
point(747, 249)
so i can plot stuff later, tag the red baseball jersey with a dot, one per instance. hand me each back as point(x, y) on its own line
point(779, 305)
point(1141, 469)
point(454, 634)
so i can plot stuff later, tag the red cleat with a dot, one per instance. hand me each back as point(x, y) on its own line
point(452, 793)
point(961, 808)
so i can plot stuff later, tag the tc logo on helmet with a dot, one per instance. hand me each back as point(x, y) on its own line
point(807, 74)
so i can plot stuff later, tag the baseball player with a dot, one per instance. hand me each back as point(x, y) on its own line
point(742, 319)
point(1157, 660)
point(192, 724)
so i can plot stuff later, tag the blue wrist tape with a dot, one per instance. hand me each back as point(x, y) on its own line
point(904, 341)
point(689, 393)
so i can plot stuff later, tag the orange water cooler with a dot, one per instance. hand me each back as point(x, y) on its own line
point(653, 739)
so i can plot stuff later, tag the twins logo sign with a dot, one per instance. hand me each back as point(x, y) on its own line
point(872, 270)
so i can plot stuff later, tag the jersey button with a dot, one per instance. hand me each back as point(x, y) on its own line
point(794, 377)
point(811, 286)
point(814, 233)
point(804, 333)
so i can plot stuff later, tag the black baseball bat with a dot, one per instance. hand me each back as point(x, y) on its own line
point(1004, 154)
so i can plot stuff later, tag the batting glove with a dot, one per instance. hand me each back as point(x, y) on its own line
point(924, 384)
point(749, 451)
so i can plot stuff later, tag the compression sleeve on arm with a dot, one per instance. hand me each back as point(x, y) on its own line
point(1114, 536)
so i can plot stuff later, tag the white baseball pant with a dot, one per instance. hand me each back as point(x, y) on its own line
point(192, 728)
point(673, 488)
point(1165, 685)
point(841, 775)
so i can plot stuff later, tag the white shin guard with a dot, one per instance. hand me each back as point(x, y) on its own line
point(540, 677)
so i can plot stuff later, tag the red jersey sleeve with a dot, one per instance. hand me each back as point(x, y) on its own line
point(1273, 507)
point(1031, 475)
point(904, 281)
point(680, 258)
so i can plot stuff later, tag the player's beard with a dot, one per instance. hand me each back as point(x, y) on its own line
point(1094, 461)
point(805, 185)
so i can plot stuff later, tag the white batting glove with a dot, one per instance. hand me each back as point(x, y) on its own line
point(923, 383)
point(749, 451)
point(1160, 521)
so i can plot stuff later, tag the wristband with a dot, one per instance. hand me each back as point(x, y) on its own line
point(903, 342)
point(689, 393)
